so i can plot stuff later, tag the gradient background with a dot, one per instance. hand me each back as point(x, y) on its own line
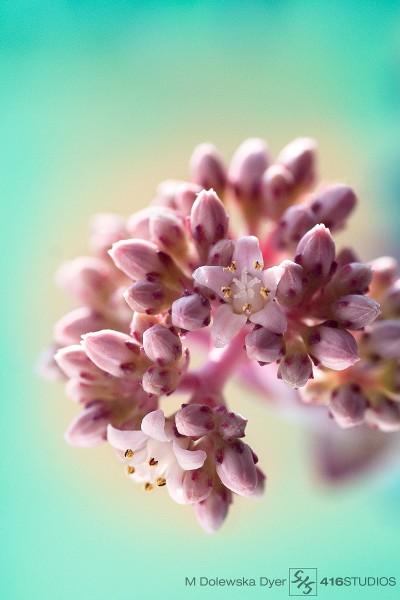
point(99, 102)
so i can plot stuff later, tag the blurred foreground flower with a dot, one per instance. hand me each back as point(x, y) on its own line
point(273, 289)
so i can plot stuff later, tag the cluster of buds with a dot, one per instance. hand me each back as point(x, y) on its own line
point(272, 289)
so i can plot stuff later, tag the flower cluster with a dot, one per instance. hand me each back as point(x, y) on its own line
point(270, 289)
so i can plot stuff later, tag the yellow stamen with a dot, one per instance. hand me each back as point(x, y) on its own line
point(258, 266)
point(148, 487)
point(129, 453)
point(247, 308)
point(153, 462)
point(264, 292)
point(232, 267)
point(226, 290)
point(130, 470)
point(161, 481)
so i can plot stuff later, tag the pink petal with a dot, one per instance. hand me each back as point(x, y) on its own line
point(213, 277)
point(271, 277)
point(122, 440)
point(271, 317)
point(246, 253)
point(153, 425)
point(175, 484)
point(226, 324)
point(189, 459)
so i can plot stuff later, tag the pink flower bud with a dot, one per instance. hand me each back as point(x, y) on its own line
point(236, 469)
point(355, 311)
point(295, 368)
point(195, 420)
point(352, 278)
point(384, 272)
point(191, 312)
point(212, 512)
point(139, 258)
point(208, 219)
point(221, 253)
point(74, 362)
point(46, 365)
point(277, 190)
point(260, 487)
point(334, 205)
point(295, 222)
point(197, 485)
point(115, 353)
point(185, 198)
point(291, 285)
point(105, 230)
point(231, 425)
point(316, 252)
point(167, 230)
point(383, 341)
point(264, 346)
point(161, 345)
point(248, 164)
point(150, 297)
point(385, 416)
point(70, 328)
point(87, 279)
point(348, 405)
point(332, 347)
point(207, 168)
point(160, 380)
point(90, 427)
point(299, 158)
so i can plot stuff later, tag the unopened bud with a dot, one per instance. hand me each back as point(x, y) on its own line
point(355, 311)
point(221, 253)
point(295, 369)
point(236, 469)
point(248, 164)
point(90, 427)
point(150, 297)
point(333, 205)
point(291, 285)
point(316, 252)
point(207, 168)
point(115, 353)
point(74, 362)
point(161, 345)
point(70, 328)
point(332, 347)
point(140, 258)
point(208, 219)
point(299, 158)
point(383, 341)
point(191, 312)
point(264, 346)
point(348, 405)
point(140, 322)
point(197, 485)
point(87, 279)
point(295, 222)
point(352, 278)
point(231, 425)
point(160, 380)
point(212, 512)
point(195, 420)
point(277, 190)
point(105, 230)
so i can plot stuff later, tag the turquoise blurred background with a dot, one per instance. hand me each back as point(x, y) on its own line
point(99, 102)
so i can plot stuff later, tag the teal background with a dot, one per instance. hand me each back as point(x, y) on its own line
point(99, 102)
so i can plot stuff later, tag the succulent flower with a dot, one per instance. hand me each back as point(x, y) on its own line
point(271, 289)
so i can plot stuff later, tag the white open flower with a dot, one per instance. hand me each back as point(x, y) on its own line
point(155, 456)
point(248, 292)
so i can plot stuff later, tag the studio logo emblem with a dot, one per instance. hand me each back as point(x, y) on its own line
point(302, 582)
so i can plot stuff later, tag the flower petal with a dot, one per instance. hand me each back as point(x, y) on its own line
point(271, 277)
point(225, 325)
point(175, 484)
point(153, 425)
point(271, 317)
point(189, 459)
point(246, 253)
point(124, 440)
point(213, 277)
